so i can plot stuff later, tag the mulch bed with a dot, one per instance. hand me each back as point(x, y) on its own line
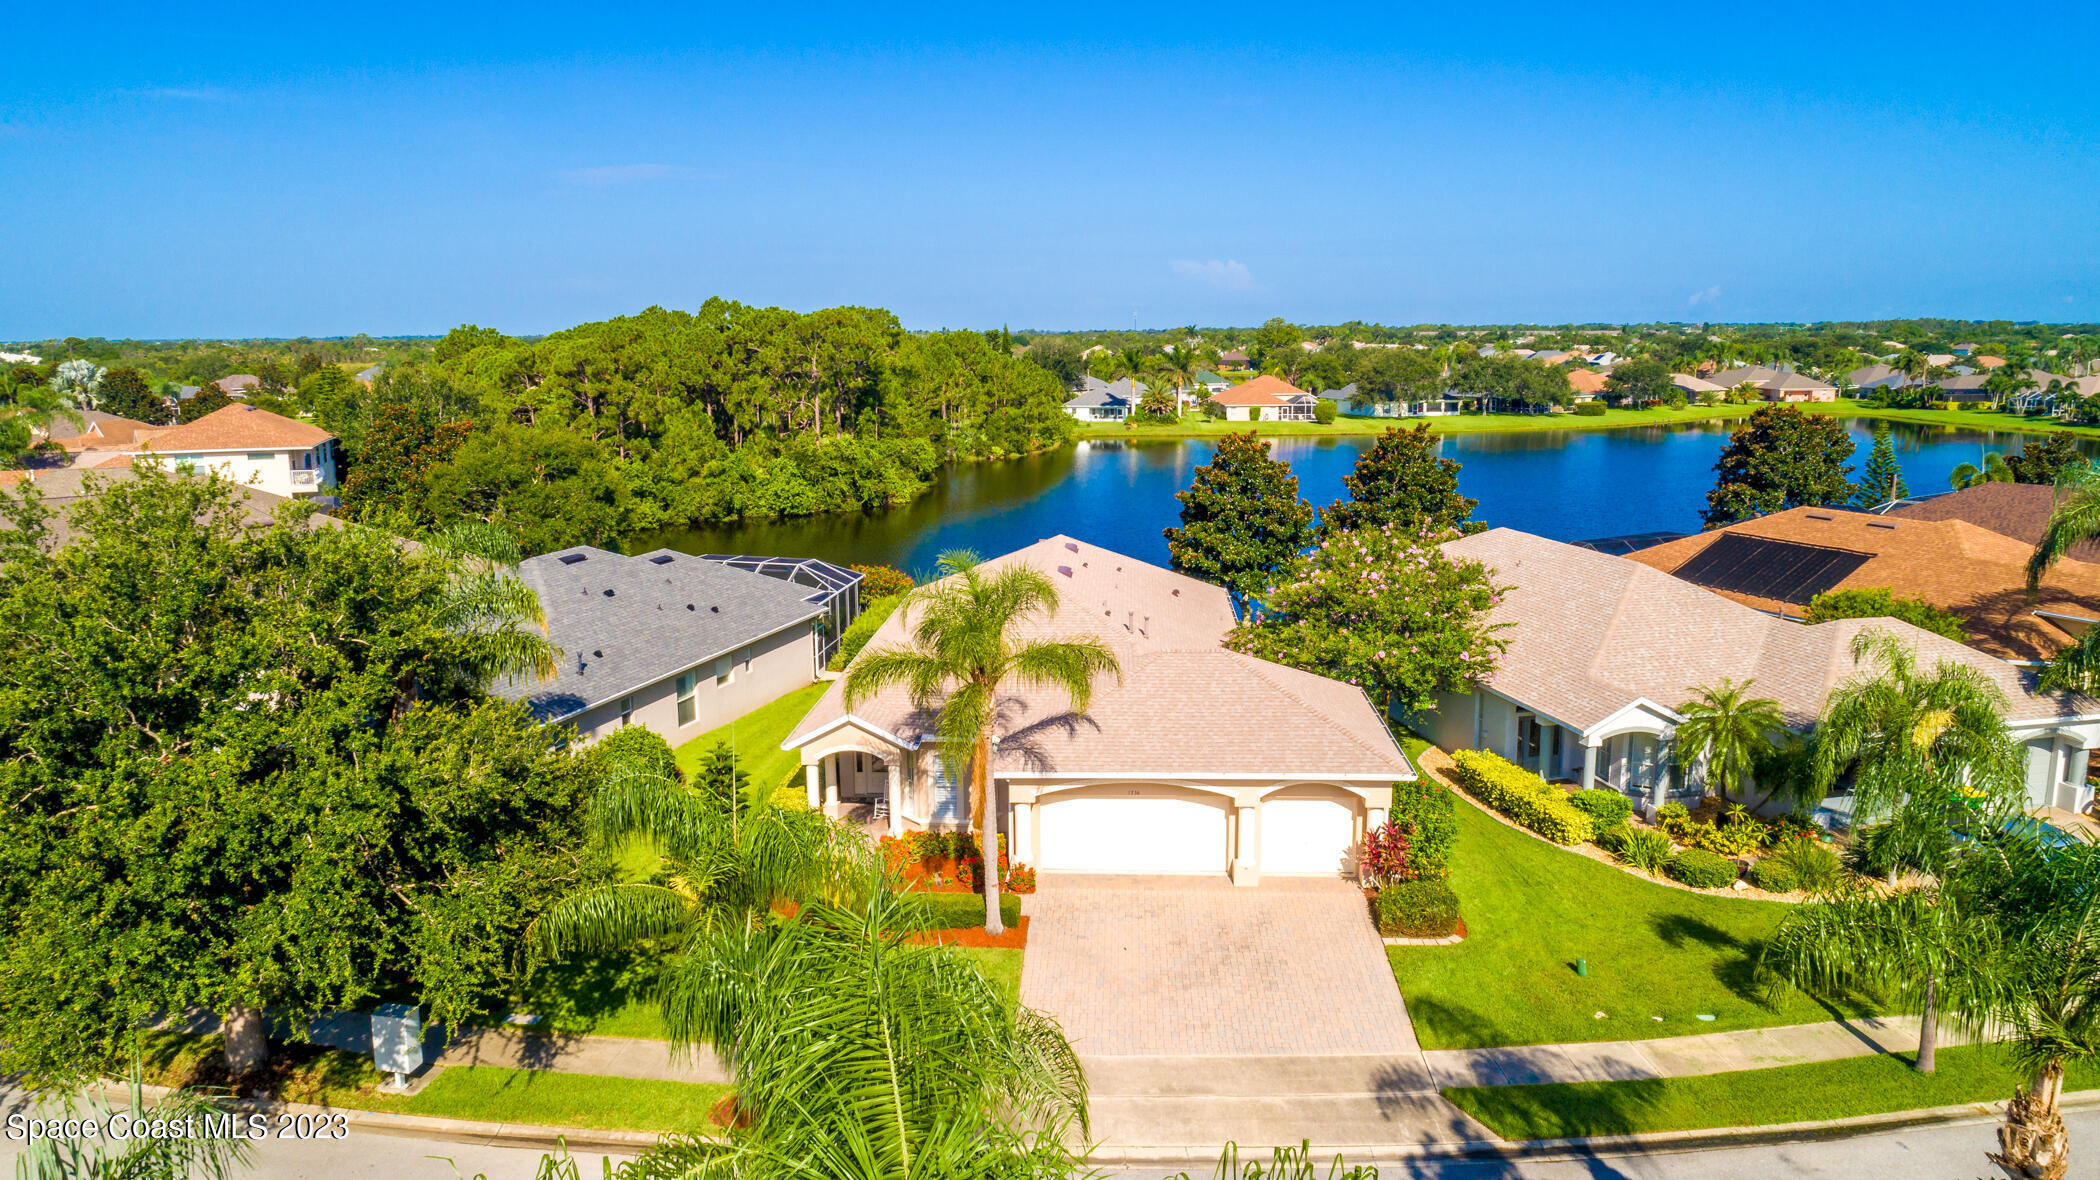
point(1016, 936)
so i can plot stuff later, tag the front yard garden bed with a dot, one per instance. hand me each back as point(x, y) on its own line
point(1749, 1098)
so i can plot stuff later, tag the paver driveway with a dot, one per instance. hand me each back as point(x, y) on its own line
point(1196, 966)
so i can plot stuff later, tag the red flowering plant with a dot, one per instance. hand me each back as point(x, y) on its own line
point(1388, 854)
point(1020, 880)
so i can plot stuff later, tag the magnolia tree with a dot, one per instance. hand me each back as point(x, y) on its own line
point(1385, 609)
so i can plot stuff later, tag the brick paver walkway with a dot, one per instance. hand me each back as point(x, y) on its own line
point(1196, 966)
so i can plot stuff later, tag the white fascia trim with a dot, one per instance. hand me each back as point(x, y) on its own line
point(1669, 715)
point(849, 719)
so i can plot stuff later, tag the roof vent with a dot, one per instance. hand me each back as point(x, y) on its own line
point(1066, 570)
point(660, 559)
point(1072, 545)
point(1177, 591)
point(573, 558)
point(1881, 524)
point(1821, 516)
point(714, 610)
point(608, 592)
point(688, 606)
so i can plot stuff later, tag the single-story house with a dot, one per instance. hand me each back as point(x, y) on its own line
point(1105, 401)
point(62, 489)
point(2017, 510)
point(1988, 362)
point(1604, 649)
point(1777, 563)
point(1695, 387)
point(101, 435)
point(1877, 376)
point(1586, 384)
point(249, 445)
point(1267, 398)
point(1198, 760)
point(1210, 382)
point(239, 385)
point(1777, 385)
point(1233, 358)
point(678, 643)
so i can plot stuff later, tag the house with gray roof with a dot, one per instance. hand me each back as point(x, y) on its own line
point(1776, 385)
point(678, 643)
point(1105, 401)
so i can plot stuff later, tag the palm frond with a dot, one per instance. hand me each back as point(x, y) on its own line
point(608, 918)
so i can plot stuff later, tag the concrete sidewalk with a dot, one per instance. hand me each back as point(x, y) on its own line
point(610, 1057)
point(1670, 1057)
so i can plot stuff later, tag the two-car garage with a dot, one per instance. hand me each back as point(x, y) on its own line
point(1157, 828)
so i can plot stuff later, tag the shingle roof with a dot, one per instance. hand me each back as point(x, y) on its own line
point(1265, 390)
point(2017, 510)
point(102, 432)
point(1585, 381)
point(238, 428)
point(1766, 377)
point(1185, 706)
point(624, 623)
point(1954, 565)
point(237, 383)
point(1691, 384)
point(1093, 391)
point(1591, 633)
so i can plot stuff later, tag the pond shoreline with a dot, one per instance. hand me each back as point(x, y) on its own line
point(1991, 421)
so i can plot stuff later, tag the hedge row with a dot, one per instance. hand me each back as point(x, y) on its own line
point(1416, 909)
point(1523, 797)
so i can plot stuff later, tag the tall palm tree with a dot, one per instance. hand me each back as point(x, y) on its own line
point(1730, 731)
point(484, 602)
point(1968, 475)
point(1182, 363)
point(856, 1053)
point(1928, 745)
point(970, 646)
point(1132, 361)
point(1913, 365)
point(1925, 950)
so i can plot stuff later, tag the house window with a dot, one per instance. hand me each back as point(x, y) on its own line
point(688, 703)
point(263, 456)
point(947, 791)
point(626, 711)
point(723, 668)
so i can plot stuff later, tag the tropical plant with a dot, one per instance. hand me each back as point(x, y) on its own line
point(1181, 363)
point(209, 1150)
point(1645, 849)
point(1927, 748)
point(1729, 732)
point(1811, 862)
point(2047, 459)
point(2076, 519)
point(857, 1053)
point(1399, 480)
point(495, 614)
point(970, 647)
point(1781, 458)
point(77, 381)
point(1968, 475)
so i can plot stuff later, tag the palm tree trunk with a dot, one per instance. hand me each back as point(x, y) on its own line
point(1929, 1026)
point(987, 830)
point(247, 1046)
point(2033, 1143)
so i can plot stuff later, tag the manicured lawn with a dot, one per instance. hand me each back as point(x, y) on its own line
point(1750, 1098)
point(1001, 965)
point(603, 995)
point(563, 1100)
point(957, 911)
point(757, 736)
point(1532, 910)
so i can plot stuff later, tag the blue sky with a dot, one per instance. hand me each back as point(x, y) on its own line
point(295, 169)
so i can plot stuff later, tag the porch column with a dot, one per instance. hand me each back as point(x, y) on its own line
point(1374, 818)
point(1661, 790)
point(895, 787)
point(810, 775)
point(1246, 857)
point(1020, 849)
point(1589, 764)
point(831, 782)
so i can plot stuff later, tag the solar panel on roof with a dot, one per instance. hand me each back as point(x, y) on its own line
point(1784, 571)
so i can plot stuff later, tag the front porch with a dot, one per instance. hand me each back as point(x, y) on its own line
point(1634, 764)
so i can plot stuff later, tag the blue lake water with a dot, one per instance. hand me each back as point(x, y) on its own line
point(1569, 485)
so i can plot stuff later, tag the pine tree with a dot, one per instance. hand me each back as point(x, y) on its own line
point(1241, 520)
point(1882, 481)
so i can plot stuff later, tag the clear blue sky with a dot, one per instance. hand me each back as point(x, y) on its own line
point(292, 169)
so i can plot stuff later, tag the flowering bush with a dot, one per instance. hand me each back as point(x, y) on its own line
point(1423, 805)
point(1020, 880)
point(1386, 609)
point(1523, 796)
point(1386, 853)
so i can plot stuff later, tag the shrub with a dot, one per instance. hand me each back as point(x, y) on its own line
point(1702, 869)
point(1388, 849)
point(881, 581)
point(872, 614)
point(1020, 880)
point(1812, 863)
point(1424, 805)
point(1645, 849)
point(1592, 409)
point(1612, 837)
point(633, 747)
point(1773, 877)
point(1604, 806)
point(1324, 412)
point(1211, 408)
point(1523, 796)
point(1416, 909)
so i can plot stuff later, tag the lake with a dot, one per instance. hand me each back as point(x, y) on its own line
point(1566, 484)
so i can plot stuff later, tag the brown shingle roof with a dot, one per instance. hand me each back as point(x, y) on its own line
point(1185, 707)
point(1954, 565)
point(105, 432)
point(1591, 633)
point(239, 428)
point(2017, 510)
point(1585, 381)
point(1265, 390)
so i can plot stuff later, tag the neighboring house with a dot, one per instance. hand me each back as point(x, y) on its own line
point(1105, 401)
point(367, 376)
point(2017, 510)
point(251, 446)
point(1966, 387)
point(1233, 359)
point(1988, 362)
point(1586, 384)
point(1939, 360)
point(677, 643)
point(1551, 356)
point(1695, 387)
point(63, 488)
point(1197, 760)
point(239, 385)
point(1777, 385)
point(1212, 383)
point(1267, 398)
point(102, 435)
point(1877, 376)
point(1778, 563)
point(20, 358)
point(1603, 650)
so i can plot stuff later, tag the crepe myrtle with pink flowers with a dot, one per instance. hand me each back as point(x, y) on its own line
point(1387, 610)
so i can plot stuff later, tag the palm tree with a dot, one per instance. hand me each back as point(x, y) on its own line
point(969, 647)
point(1181, 364)
point(856, 1053)
point(1927, 747)
point(1131, 361)
point(1968, 475)
point(495, 613)
point(1913, 365)
point(1730, 731)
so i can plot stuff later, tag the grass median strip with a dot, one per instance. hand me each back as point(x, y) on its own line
point(1750, 1098)
point(492, 1094)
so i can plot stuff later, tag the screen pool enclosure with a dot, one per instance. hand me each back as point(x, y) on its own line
point(833, 587)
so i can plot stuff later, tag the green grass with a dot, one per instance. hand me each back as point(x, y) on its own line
point(1001, 965)
point(563, 1100)
point(599, 995)
point(1750, 1098)
point(1532, 910)
point(959, 911)
point(757, 736)
point(1411, 743)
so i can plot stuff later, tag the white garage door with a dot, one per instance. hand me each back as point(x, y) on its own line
point(1305, 836)
point(1144, 833)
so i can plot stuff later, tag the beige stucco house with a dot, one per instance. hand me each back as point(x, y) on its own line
point(250, 446)
point(1199, 760)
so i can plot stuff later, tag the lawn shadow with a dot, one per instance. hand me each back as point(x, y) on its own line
point(1455, 1027)
point(1736, 960)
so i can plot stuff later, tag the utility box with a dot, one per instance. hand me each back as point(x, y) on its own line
point(397, 1041)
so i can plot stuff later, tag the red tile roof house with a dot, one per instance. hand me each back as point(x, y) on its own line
point(1603, 649)
point(1267, 399)
point(250, 446)
point(1200, 761)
